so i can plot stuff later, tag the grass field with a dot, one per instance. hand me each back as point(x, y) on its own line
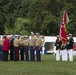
point(48, 66)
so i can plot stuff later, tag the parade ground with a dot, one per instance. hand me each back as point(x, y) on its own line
point(48, 66)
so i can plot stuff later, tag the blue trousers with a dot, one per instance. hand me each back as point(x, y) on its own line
point(2, 55)
point(26, 49)
point(12, 53)
point(32, 55)
point(38, 55)
point(5, 55)
point(0, 52)
point(22, 53)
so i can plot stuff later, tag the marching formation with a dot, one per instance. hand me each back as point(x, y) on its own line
point(24, 46)
point(66, 50)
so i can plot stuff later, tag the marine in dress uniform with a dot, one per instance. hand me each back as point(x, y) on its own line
point(2, 54)
point(64, 52)
point(32, 47)
point(26, 47)
point(16, 48)
point(58, 47)
point(22, 48)
point(1, 44)
point(70, 43)
point(38, 47)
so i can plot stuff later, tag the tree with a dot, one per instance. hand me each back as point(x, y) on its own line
point(20, 27)
point(41, 16)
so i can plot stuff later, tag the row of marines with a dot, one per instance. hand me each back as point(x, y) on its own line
point(65, 50)
point(24, 45)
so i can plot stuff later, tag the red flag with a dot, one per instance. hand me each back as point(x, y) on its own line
point(63, 32)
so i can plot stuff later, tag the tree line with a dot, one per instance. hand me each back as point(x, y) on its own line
point(42, 16)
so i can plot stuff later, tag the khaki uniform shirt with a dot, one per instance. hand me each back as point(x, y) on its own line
point(26, 42)
point(38, 41)
point(1, 42)
point(16, 42)
point(32, 41)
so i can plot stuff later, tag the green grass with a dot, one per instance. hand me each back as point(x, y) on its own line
point(48, 66)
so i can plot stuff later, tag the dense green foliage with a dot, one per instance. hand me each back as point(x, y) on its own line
point(43, 16)
point(48, 66)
